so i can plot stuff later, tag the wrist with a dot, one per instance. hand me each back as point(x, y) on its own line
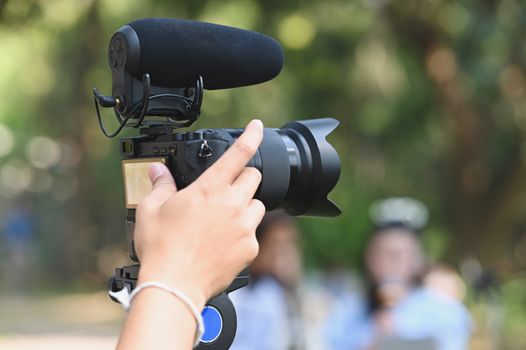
point(189, 286)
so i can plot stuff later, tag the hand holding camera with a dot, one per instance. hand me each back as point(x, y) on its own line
point(181, 236)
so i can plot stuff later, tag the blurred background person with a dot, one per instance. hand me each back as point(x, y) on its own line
point(269, 308)
point(399, 311)
point(444, 280)
point(18, 230)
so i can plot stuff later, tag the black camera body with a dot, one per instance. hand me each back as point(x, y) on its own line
point(160, 68)
point(186, 154)
point(298, 166)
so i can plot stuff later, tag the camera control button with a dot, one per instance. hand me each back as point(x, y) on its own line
point(213, 324)
point(193, 136)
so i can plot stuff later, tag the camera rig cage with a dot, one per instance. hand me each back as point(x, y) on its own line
point(301, 167)
point(167, 109)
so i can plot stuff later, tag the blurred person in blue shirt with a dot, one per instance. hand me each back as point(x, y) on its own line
point(399, 311)
point(268, 309)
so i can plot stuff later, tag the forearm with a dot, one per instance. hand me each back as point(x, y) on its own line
point(157, 320)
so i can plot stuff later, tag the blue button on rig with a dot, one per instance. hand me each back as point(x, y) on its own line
point(213, 324)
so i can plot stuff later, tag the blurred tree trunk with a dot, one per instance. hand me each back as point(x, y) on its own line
point(80, 53)
point(479, 202)
point(2, 7)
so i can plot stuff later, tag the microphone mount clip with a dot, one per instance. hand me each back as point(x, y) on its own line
point(176, 107)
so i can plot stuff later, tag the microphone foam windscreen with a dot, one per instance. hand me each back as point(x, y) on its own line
point(175, 52)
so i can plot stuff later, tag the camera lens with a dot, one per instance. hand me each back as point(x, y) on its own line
point(299, 167)
point(315, 167)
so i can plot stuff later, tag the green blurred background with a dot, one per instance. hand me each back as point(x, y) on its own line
point(431, 95)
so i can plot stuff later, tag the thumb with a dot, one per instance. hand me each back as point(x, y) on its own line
point(162, 181)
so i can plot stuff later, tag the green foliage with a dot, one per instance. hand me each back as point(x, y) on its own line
point(430, 94)
point(514, 311)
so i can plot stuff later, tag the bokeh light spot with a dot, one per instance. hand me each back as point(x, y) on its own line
point(65, 13)
point(512, 82)
point(454, 18)
point(42, 152)
point(239, 13)
point(296, 32)
point(441, 64)
point(378, 69)
point(71, 153)
point(7, 141)
point(15, 177)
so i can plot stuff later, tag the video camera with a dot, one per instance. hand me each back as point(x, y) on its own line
point(160, 68)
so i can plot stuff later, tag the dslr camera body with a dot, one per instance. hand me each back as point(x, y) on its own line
point(160, 68)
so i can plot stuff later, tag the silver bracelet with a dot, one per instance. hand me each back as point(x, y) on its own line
point(125, 298)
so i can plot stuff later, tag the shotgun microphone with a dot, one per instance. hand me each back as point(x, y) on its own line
point(174, 52)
